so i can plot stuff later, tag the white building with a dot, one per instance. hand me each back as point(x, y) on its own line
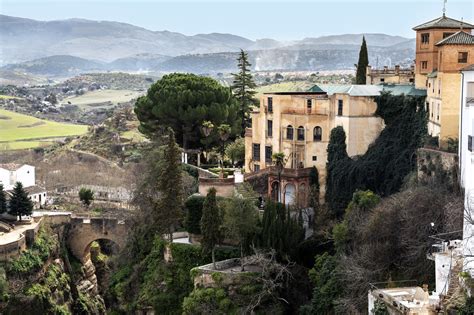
point(12, 173)
point(466, 162)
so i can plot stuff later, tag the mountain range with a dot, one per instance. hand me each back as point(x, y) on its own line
point(68, 47)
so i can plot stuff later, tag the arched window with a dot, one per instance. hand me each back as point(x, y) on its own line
point(300, 133)
point(289, 132)
point(317, 133)
point(290, 191)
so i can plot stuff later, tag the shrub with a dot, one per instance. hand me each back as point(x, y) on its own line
point(193, 207)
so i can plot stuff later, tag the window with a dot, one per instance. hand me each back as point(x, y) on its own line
point(424, 65)
point(256, 152)
point(470, 143)
point(439, 86)
point(256, 168)
point(270, 104)
point(300, 136)
point(315, 158)
point(289, 132)
point(425, 38)
point(317, 133)
point(437, 114)
point(412, 80)
point(382, 80)
point(268, 153)
point(269, 128)
point(447, 34)
point(309, 104)
point(432, 109)
point(340, 107)
point(427, 108)
point(462, 57)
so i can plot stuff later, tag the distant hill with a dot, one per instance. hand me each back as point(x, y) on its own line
point(68, 47)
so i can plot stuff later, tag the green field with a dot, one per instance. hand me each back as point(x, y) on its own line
point(18, 131)
point(292, 86)
point(102, 98)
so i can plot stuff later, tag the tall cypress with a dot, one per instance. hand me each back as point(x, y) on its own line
point(3, 200)
point(363, 63)
point(243, 89)
point(210, 225)
point(20, 203)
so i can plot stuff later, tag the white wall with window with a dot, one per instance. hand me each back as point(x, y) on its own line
point(466, 163)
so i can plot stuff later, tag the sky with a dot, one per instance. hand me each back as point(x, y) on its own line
point(253, 19)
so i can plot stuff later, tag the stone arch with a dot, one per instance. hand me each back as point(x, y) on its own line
point(84, 231)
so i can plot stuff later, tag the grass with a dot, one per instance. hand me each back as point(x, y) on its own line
point(8, 97)
point(18, 131)
point(99, 98)
point(292, 86)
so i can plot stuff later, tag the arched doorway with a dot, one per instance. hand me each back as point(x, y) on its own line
point(290, 192)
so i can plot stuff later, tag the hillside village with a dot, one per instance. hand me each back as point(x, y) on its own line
point(231, 194)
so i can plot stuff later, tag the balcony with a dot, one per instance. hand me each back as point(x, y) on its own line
point(313, 111)
point(441, 243)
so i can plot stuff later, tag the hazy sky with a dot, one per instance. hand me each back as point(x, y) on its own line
point(278, 19)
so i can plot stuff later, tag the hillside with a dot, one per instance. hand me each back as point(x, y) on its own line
point(20, 131)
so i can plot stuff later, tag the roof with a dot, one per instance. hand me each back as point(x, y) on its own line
point(352, 90)
point(31, 190)
point(407, 89)
point(458, 38)
point(296, 93)
point(433, 74)
point(468, 68)
point(443, 22)
point(11, 166)
point(317, 89)
point(372, 90)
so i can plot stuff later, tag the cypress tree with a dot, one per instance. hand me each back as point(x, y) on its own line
point(210, 225)
point(314, 188)
point(243, 89)
point(20, 203)
point(169, 209)
point(363, 63)
point(3, 200)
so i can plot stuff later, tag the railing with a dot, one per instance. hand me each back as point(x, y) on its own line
point(442, 242)
point(392, 284)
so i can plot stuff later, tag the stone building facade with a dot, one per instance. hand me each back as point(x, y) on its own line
point(387, 75)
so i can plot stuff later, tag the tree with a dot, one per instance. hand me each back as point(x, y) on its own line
point(86, 196)
point(20, 203)
point(3, 200)
point(168, 210)
point(336, 198)
point(210, 225)
point(183, 102)
point(314, 189)
point(363, 63)
point(243, 88)
point(240, 221)
point(235, 151)
point(279, 161)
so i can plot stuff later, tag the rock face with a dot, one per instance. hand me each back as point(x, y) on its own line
point(88, 284)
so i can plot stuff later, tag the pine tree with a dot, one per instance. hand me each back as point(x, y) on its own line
point(3, 200)
point(210, 225)
point(20, 203)
point(243, 89)
point(169, 209)
point(363, 63)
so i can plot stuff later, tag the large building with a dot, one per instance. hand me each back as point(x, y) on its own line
point(388, 75)
point(443, 47)
point(298, 124)
point(466, 162)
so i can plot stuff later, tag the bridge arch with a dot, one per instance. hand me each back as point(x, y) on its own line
point(84, 231)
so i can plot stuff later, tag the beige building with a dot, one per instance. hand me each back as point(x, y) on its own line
point(387, 75)
point(444, 85)
point(299, 124)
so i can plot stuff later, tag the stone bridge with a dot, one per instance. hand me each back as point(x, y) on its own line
point(85, 230)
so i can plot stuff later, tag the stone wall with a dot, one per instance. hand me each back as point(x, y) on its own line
point(13, 249)
point(434, 163)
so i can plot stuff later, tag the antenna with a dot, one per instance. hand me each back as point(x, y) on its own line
point(444, 7)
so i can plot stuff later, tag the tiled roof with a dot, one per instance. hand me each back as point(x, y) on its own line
point(372, 90)
point(10, 166)
point(433, 74)
point(468, 68)
point(458, 38)
point(443, 22)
